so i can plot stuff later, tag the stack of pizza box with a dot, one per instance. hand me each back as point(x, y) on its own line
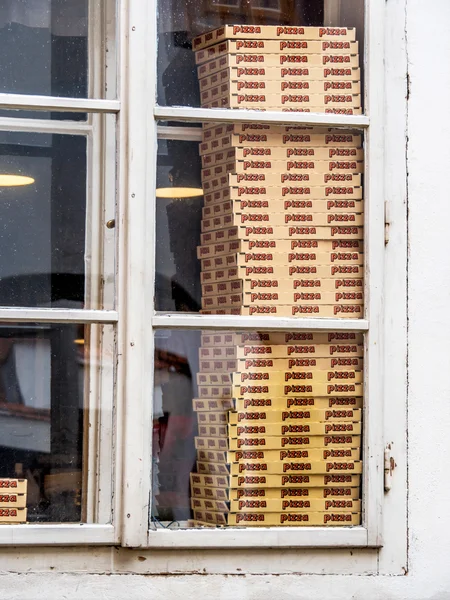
point(13, 501)
point(279, 414)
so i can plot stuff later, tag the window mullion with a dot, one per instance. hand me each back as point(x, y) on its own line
point(56, 315)
point(50, 103)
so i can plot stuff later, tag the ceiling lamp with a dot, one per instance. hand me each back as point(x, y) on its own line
point(179, 192)
point(14, 180)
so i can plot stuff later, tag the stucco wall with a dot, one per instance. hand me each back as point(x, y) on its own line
point(68, 573)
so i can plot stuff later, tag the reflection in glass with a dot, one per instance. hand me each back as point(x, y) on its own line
point(45, 371)
point(43, 224)
point(257, 428)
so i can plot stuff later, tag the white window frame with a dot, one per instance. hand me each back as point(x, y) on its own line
point(137, 458)
point(98, 129)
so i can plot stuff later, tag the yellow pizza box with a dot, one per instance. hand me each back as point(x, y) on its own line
point(286, 59)
point(221, 338)
point(278, 219)
point(337, 347)
point(212, 418)
point(281, 154)
point(277, 467)
point(212, 468)
point(283, 232)
point(212, 456)
point(284, 430)
point(213, 493)
point(17, 486)
point(288, 402)
point(211, 431)
point(343, 311)
point(291, 140)
point(220, 366)
point(264, 167)
point(267, 365)
point(268, 259)
point(312, 454)
point(276, 86)
point(291, 505)
point(212, 481)
point(220, 97)
point(278, 246)
point(13, 515)
point(294, 481)
point(331, 519)
point(300, 388)
point(259, 47)
point(215, 391)
point(213, 378)
point(211, 404)
point(249, 417)
point(272, 32)
point(323, 272)
point(247, 286)
point(209, 504)
point(295, 493)
point(299, 209)
point(211, 443)
point(13, 500)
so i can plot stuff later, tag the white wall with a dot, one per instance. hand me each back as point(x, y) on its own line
point(299, 575)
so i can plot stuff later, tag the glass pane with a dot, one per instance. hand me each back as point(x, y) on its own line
point(268, 54)
point(257, 429)
point(46, 249)
point(47, 418)
point(44, 47)
point(261, 220)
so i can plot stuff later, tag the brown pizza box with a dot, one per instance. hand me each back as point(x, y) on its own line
point(10, 485)
point(213, 130)
point(343, 311)
point(277, 467)
point(275, 178)
point(224, 60)
point(247, 286)
point(293, 349)
point(212, 468)
point(213, 443)
point(221, 338)
point(312, 454)
point(217, 455)
point(212, 418)
point(294, 505)
point(13, 500)
point(213, 378)
point(300, 416)
point(210, 431)
point(288, 441)
point(296, 389)
point(272, 32)
point(292, 47)
point(316, 375)
point(13, 515)
point(274, 219)
point(212, 404)
point(324, 272)
point(282, 153)
point(287, 429)
point(281, 205)
point(299, 403)
point(283, 298)
point(194, 524)
point(263, 493)
point(223, 494)
point(291, 139)
point(283, 232)
point(217, 365)
point(210, 504)
point(285, 519)
point(294, 481)
point(213, 481)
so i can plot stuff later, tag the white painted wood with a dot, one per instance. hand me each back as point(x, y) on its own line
point(200, 115)
point(45, 126)
point(56, 315)
point(236, 322)
point(47, 103)
point(278, 537)
point(138, 160)
point(61, 534)
point(373, 454)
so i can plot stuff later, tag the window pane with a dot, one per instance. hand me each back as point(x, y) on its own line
point(274, 227)
point(45, 247)
point(47, 417)
point(257, 428)
point(44, 47)
point(268, 54)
